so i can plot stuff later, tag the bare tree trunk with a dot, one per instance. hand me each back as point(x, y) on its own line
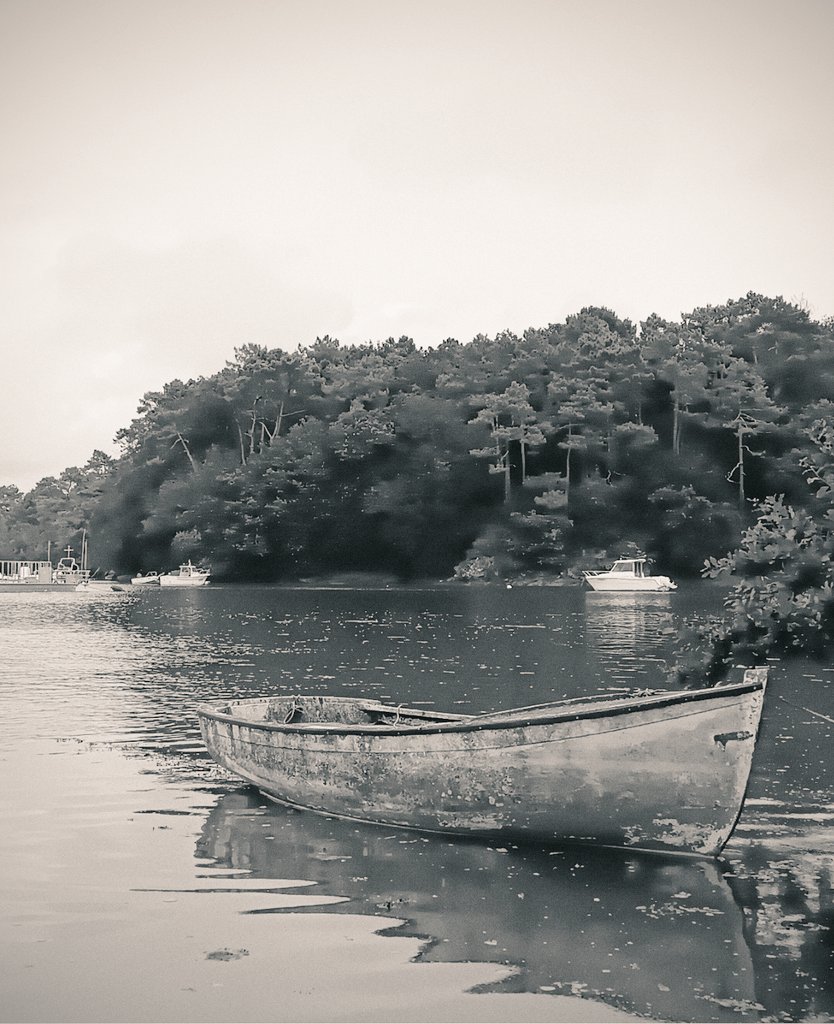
point(252, 433)
point(242, 446)
point(181, 440)
point(676, 425)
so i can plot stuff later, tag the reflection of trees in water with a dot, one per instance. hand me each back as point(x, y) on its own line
point(659, 935)
point(783, 853)
point(788, 907)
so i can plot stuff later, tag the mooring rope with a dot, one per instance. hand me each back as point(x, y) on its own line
point(802, 707)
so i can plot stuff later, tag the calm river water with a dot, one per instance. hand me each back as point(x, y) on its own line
point(139, 882)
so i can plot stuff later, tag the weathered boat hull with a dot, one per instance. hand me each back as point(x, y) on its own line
point(663, 772)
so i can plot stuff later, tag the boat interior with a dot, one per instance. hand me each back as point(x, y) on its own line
point(349, 711)
point(342, 711)
point(338, 712)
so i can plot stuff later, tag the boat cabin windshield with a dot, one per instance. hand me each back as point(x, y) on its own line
point(627, 566)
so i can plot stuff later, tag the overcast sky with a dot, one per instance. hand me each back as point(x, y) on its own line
point(180, 177)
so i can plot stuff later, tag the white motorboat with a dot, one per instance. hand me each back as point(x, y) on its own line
point(150, 579)
point(628, 574)
point(187, 575)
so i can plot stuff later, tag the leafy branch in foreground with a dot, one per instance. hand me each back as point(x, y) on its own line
point(783, 600)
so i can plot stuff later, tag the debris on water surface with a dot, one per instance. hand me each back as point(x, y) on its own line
point(227, 954)
point(656, 911)
point(390, 904)
point(739, 1005)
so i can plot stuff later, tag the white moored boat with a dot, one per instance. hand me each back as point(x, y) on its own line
point(148, 580)
point(33, 576)
point(187, 575)
point(628, 574)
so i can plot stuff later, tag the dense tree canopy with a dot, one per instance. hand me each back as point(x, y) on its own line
point(512, 455)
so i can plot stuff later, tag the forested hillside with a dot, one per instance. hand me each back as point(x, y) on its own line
point(505, 456)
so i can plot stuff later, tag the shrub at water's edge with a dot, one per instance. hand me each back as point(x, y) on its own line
point(783, 600)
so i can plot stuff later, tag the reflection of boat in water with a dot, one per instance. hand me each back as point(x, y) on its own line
point(664, 770)
point(659, 935)
point(630, 634)
point(187, 575)
point(629, 622)
point(628, 574)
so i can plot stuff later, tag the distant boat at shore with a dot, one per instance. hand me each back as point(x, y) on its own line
point(187, 575)
point(149, 579)
point(26, 575)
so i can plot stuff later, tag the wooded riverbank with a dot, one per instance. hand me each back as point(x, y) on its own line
point(537, 453)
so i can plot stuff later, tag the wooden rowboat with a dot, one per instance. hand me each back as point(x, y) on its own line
point(662, 770)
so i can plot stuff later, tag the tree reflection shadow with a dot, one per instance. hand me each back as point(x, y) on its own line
point(788, 906)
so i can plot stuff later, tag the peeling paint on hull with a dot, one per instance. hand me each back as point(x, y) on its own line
point(654, 772)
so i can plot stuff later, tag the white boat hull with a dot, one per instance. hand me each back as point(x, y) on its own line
point(183, 581)
point(610, 584)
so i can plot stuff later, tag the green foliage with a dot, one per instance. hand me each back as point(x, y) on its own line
point(491, 556)
point(688, 526)
point(783, 597)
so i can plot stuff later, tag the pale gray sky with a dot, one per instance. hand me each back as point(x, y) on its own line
point(183, 176)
